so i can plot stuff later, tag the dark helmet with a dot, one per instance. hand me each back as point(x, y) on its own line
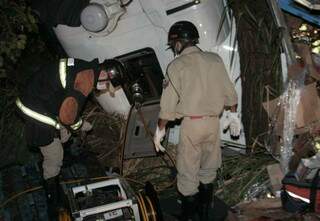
point(115, 71)
point(183, 30)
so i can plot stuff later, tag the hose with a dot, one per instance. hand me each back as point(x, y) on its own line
point(4, 203)
point(142, 207)
point(143, 201)
point(150, 135)
point(152, 210)
point(147, 208)
point(64, 216)
point(151, 138)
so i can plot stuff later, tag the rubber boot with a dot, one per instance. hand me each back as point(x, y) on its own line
point(205, 201)
point(53, 195)
point(189, 208)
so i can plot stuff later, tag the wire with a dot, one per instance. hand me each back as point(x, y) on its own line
point(153, 212)
point(144, 206)
point(124, 141)
point(64, 216)
point(2, 205)
point(143, 212)
point(134, 181)
point(151, 138)
point(83, 179)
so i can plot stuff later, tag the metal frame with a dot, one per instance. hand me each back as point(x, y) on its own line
point(308, 4)
point(126, 192)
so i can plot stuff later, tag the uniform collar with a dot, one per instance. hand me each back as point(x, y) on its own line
point(189, 50)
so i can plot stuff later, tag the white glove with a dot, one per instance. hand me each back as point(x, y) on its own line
point(157, 138)
point(86, 126)
point(64, 135)
point(233, 123)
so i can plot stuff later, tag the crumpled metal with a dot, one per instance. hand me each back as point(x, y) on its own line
point(290, 100)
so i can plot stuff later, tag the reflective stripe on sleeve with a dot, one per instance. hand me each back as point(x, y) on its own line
point(63, 72)
point(37, 116)
point(77, 125)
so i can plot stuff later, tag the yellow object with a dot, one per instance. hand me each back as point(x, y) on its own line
point(316, 50)
point(152, 212)
point(64, 216)
point(303, 27)
point(316, 43)
point(142, 208)
point(317, 144)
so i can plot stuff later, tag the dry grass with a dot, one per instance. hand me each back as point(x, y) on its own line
point(241, 176)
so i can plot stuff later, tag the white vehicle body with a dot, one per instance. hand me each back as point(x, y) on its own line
point(145, 24)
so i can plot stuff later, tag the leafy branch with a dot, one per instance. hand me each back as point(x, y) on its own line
point(17, 22)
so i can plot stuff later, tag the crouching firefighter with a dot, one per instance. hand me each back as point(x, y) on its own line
point(197, 88)
point(51, 105)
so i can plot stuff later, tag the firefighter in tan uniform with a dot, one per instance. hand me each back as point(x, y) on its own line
point(197, 88)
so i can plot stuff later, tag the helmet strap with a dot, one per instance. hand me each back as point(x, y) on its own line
point(184, 45)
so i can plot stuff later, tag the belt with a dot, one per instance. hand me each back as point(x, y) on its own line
point(199, 117)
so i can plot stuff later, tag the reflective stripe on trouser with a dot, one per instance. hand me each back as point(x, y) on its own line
point(52, 158)
point(198, 154)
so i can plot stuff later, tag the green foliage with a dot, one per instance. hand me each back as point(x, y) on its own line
point(21, 49)
point(17, 23)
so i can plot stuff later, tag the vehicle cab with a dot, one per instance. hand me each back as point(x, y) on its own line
point(135, 33)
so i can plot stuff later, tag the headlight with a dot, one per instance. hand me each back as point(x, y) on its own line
point(100, 17)
point(94, 18)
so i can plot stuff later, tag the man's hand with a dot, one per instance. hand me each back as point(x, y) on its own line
point(157, 138)
point(65, 135)
point(232, 123)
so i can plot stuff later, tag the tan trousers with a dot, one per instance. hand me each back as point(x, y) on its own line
point(52, 158)
point(198, 154)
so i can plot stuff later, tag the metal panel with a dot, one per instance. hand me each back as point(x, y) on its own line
point(311, 4)
point(298, 10)
point(140, 129)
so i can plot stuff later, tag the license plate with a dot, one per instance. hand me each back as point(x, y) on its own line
point(113, 214)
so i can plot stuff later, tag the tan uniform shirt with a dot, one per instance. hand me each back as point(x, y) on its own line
point(196, 84)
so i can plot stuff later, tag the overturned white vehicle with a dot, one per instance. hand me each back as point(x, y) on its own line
point(135, 33)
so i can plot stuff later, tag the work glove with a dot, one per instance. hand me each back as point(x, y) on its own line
point(65, 134)
point(86, 126)
point(84, 129)
point(232, 122)
point(157, 138)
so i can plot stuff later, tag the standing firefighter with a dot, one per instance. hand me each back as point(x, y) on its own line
point(197, 88)
point(52, 105)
